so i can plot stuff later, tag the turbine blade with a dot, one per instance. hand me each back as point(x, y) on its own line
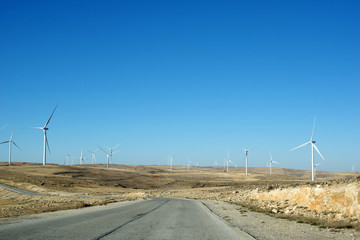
point(302, 145)
point(17, 146)
point(47, 143)
point(50, 117)
point(116, 152)
point(312, 134)
point(4, 142)
point(275, 162)
point(3, 126)
point(12, 134)
point(318, 151)
point(270, 156)
point(37, 127)
point(116, 146)
point(108, 148)
point(103, 150)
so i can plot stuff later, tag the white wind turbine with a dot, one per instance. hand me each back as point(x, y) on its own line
point(246, 159)
point(271, 162)
point(68, 158)
point(45, 128)
point(107, 155)
point(227, 160)
point(315, 166)
point(188, 164)
point(171, 160)
point(111, 151)
point(353, 167)
point(93, 157)
point(82, 158)
point(10, 143)
point(312, 142)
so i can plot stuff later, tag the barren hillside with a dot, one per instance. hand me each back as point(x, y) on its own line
point(332, 199)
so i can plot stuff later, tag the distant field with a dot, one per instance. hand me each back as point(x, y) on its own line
point(62, 183)
point(98, 180)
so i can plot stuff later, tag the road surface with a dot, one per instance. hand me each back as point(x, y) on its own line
point(158, 218)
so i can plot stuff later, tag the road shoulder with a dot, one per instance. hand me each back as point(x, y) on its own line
point(68, 212)
point(266, 227)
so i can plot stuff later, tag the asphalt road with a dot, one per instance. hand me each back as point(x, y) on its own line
point(150, 219)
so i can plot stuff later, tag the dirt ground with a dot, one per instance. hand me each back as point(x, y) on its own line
point(62, 183)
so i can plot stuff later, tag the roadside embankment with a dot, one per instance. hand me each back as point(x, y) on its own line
point(333, 203)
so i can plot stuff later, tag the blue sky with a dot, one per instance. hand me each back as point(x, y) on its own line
point(192, 78)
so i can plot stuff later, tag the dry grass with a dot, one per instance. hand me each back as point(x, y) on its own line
point(123, 180)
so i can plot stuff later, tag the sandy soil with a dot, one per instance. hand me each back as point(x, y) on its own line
point(264, 227)
point(153, 181)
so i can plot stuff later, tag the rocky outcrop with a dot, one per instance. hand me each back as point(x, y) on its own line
point(338, 200)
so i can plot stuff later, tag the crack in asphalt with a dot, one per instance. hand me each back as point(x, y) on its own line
point(131, 220)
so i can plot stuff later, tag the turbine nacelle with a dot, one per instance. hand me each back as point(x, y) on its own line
point(45, 128)
point(313, 146)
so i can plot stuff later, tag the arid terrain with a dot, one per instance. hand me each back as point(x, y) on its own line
point(332, 201)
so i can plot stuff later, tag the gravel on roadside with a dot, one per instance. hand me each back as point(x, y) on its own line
point(264, 227)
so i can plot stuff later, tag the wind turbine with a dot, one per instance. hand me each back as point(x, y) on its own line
point(10, 143)
point(188, 163)
point(246, 159)
point(111, 151)
point(271, 162)
point(353, 167)
point(67, 158)
point(45, 128)
point(82, 158)
point(227, 160)
point(107, 155)
point(312, 142)
point(171, 159)
point(215, 164)
point(93, 157)
point(315, 166)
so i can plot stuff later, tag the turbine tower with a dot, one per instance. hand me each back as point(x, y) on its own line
point(107, 155)
point(171, 159)
point(93, 157)
point(82, 158)
point(313, 146)
point(271, 162)
point(227, 160)
point(188, 164)
point(111, 151)
point(10, 143)
point(45, 128)
point(315, 166)
point(67, 158)
point(246, 159)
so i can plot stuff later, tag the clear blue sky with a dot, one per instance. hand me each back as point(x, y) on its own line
point(192, 78)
